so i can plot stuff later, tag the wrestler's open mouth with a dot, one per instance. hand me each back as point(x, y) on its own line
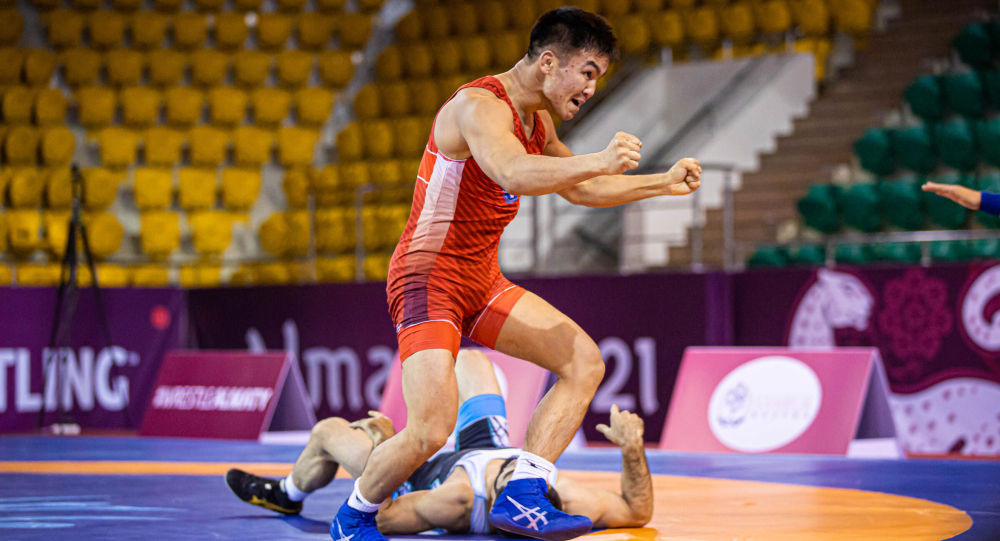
point(577, 101)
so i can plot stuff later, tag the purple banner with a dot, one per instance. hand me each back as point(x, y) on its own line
point(94, 385)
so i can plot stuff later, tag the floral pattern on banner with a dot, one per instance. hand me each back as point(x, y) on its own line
point(913, 321)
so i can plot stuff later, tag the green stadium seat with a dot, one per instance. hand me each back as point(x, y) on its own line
point(914, 149)
point(901, 203)
point(983, 249)
point(974, 45)
point(965, 94)
point(768, 256)
point(991, 82)
point(898, 252)
point(819, 208)
point(925, 97)
point(944, 212)
point(949, 250)
point(874, 151)
point(854, 254)
point(809, 254)
point(860, 207)
point(955, 141)
point(989, 183)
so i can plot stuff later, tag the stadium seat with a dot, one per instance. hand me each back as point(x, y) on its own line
point(328, 189)
point(507, 49)
point(335, 230)
point(634, 35)
point(376, 267)
point(17, 102)
point(117, 146)
point(150, 275)
point(21, 145)
point(251, 68)
point(355, 29)
point(208, 6)
point(166, 67)
point(6, 271)
point(39, 66)
point(50, 107)
point(394, 99)
point(159, 234)
point(153, 188)
point(425, 96)
point(965, 94)
point(104, 233)
point(56, 225)
point(898, 252)
point(853, 17)
point(64, 28)
point(294, 67)
point(808, 255)
point(230, 30)
point(167, 6)
point(349, 143)
point(106, 28)
point(116, 276)
point(988, 137)
point(25, 187)
point(296, 146)
point(58, 144)
point(207, 146)
point(956, 144)
point(409, 136)
point(227, 106)
point(296, 184)
point(290, 6)
point(819, 208)
point(285, 234)
point(943, 212)
point(410, 27)
point(100, 187)
point(701, 25)
point(335, 68)
point(418, 61)
point(127, 6)
point(366, 103)
point(353, 175)
point(974, 46)
point(913, 149)
point(925, 97)
point(330, 6)
point(768, 256)
point(162, 146)
point(989, 182)
point(666, 29)
point(11, 64)
point(38, 274)
point(949, 251)
point(96, 106)
point(811, 17)
point(58, 188)
point(199, 275)
point(476, 54)
point(379, 139)
point(189, 30)
point(436, 22)
point(184, 106)
point(270, 106)
point(209, 67)
point(141, 106)
point(23, 230)
point(273, 30)
point(385, 173)
point(314, 31)
point(196, 188)
point(906, 210)
point(211, 231)
point(124, 67)
point(853, 254)
point(335, 269)
point(991, 81)
point(860, 206)
point(11, 27)
point(252, 146)
point(240, 188)
point(448, 55)
point(773, 16)
point(313, 106)
point(149, 29)
point(80, 67)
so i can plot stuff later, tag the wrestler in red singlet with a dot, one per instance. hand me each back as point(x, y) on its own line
point(444, 279)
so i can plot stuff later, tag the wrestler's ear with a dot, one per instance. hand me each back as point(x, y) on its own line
point(548, 61)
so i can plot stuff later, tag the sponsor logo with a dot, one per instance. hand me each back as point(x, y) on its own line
point(211, 398)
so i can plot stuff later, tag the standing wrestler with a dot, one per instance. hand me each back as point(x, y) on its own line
point(492, 142)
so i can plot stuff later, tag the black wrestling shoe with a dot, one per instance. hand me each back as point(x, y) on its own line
point(261, 491)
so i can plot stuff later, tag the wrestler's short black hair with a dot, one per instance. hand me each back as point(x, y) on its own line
point(569, 29)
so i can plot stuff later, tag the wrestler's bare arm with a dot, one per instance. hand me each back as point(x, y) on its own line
point(446, 506)
point(611, 190)
point(476, 123)
point(633, 507)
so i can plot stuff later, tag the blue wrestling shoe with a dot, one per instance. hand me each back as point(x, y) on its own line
point(353, 525)
point(522, 508)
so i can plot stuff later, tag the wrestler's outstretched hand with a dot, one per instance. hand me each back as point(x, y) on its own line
point(378, 427)
point(684, 177)
point(622, 153)
point(626, 428)
point(968, 198)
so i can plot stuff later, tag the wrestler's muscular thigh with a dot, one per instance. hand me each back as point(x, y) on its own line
point(537, 332)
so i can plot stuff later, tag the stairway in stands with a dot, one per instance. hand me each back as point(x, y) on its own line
point(857, 99)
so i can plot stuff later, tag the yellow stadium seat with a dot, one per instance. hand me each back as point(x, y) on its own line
point(385, 173)
point(208, 6)
point(376, 267)
point(313, 105)
point(425, 96)
point(86, 5)
point(21, 145)
point(273, 30)
point(389, 64)
point(701, 25)
point(273, 273)
point(493, 16)
point(167, 6)
point(447, 55)
point(159, 233)
point(189, 30)
point(38, 274)
point(118, 147)
point(153, 188)
point(150, 276)
point(17, 102)
point(475, 54)
point(6, 272)
point(207, 146)
point(227, 106)
point(25, 187)
point(109, 275)
point(314, 31)
point(149, 29)
point(240, 188)
point(409, 136)
point(667, 29)
point(811, 17)
point(737, 22)
point(230, 30)
point(508, 48)
point(166, 67)
point(211, 231)
point(208, 67)
point(200, 275)
point(104, 232)
point(335, 269)
point(127, 6)
point(58, 188)
point(285, 234)
point(270, 106)
point(11, 26)
point(140, 106)
point(247, 5)
point(290, 6)
point(296, 146)
point(106, 28)
point(335, 68)
point(56, 224)
point(294, 67)
point(50, 107)
point(251, 146)
point(335, 230)
point(81, 67)
point(11, 62)
point(418, 60)
point(773, 16)
point(379, 139)
point(296, 185)
point(196, 188)
point(64, 28)
point(100, 187)
point(251, 67)
point(409, 168)
point(95, 106)
point(355, 29)
point(410, 27)
point(58, 144)
point(449, 85)
point(162, 146)
point(349, 143)
point(436, 21)
point(325, 184)
point(23, 230)
point(366, 103)
point(353, 175)
point(369, 6)
point(184, 106)
point(39, 66)
point(124, 67)
point(853, 17)
point(330, 6)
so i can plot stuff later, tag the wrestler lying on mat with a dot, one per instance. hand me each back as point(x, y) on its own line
point(454, 490)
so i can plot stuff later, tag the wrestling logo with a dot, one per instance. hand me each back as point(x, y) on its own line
point(509, 199)
point(981, 312)
point(764, 404)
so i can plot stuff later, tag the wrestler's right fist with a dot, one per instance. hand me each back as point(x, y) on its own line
point(622, 153)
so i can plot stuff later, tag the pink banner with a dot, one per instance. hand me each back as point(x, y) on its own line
point(228, 394)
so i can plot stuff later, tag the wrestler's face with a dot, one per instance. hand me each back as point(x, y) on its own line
point(571, 79)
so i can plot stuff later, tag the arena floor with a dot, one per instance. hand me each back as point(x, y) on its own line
point(140, 488)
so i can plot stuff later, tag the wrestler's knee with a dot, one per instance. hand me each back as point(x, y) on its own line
point(328, 428)
point(429, 438)
point(586, 369)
